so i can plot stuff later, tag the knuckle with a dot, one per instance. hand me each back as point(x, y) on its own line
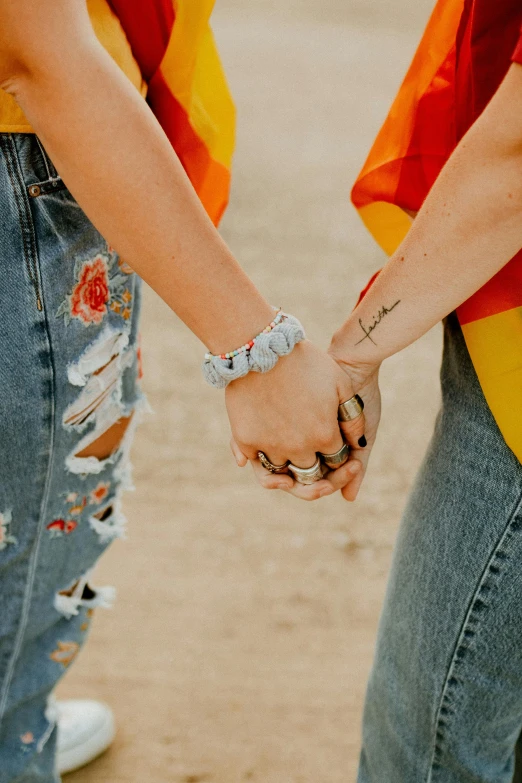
point(327, 443)
point(244, 436)
point(326, 434)
point(298, 446)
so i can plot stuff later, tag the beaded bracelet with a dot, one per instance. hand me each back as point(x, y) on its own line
point(258, 355)
point(247, 346)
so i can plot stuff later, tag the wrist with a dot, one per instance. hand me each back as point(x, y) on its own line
point(259, 355)
point(358, 369)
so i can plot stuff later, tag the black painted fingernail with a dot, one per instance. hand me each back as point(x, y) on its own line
point(362, 442)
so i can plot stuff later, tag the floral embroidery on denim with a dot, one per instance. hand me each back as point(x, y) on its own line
point(89, 297)
point(121, 305)
point(5, 537)
point(100, 493)
point(124, 267)
point(27, 739)
point(101, 284)
point(88, 617)
point(59, 527)
point(78, 508)
point(76, 505)
point(62, 526)
point(65, 653)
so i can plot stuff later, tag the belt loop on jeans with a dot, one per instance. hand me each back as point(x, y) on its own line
point(52, 174)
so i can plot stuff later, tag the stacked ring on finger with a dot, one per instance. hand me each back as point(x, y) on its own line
point(351, 409)
point(337, 459)
point(265, 462)
point(308, 475)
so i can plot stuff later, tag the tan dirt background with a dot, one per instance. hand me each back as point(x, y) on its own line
point(242, 637)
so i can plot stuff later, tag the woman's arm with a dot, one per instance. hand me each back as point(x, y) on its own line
point(468, 228)
point(115, 159)
point(117, 162)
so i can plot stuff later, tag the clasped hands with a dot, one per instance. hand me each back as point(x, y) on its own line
point(291, 414)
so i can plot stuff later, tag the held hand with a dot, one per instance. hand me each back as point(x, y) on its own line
point(290, 413)
point(366, 383)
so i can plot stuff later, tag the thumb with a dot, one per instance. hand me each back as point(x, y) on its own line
point(352, 430)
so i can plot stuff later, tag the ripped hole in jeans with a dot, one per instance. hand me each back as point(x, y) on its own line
point(108, 442)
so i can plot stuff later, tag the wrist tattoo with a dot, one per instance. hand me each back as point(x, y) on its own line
point(376, 321)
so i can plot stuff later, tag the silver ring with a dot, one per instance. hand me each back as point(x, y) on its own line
point(351, 408)
point(308, 475)
point(336, 460)
point(265, 462)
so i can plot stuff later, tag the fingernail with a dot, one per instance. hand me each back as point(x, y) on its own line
point(354, 467)
point(281, 486)
point(362, 441)
point(326, 491)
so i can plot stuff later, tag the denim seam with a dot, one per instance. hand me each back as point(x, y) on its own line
point(488, 579)
point(33, 561)
point(54, 182)
point(44, 156)
point(49, 166)
point(24, 214)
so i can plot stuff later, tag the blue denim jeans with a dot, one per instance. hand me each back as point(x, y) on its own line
point(69, 376)
point(444, 701)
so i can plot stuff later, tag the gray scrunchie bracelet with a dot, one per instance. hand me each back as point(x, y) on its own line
point(260, 355)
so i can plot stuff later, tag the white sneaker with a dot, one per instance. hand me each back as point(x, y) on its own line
point(85, 731)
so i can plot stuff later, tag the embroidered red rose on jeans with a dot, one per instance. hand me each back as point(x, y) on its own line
point(101, 286)
point(91, 294)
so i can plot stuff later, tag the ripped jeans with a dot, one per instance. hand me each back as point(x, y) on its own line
point(69, 404)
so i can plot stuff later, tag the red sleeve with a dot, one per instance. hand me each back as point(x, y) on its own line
point(517, 54)
point(368, 286)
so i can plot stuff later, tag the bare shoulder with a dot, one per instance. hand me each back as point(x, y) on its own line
point(37, 33)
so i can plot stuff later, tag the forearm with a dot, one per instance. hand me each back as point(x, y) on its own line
point(467, 229)
point(117, 162)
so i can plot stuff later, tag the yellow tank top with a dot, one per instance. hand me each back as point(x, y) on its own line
point(112, 37)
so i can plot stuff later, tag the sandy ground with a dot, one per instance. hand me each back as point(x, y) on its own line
point(243, 633)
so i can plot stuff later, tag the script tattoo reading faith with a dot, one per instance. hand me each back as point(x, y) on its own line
point(376, 321)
